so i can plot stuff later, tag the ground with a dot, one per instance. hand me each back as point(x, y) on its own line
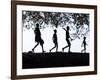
point(54, 59)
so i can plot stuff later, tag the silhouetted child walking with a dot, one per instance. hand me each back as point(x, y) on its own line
point(84, 44)
point(38, 38)
point(54, 38)
point(67, 39)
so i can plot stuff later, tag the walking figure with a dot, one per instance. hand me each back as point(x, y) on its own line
point(84, 45)
point(54, 38)
point(67, 39)
point(38, 38)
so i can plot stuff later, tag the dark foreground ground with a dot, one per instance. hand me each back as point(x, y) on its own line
point(59, 59)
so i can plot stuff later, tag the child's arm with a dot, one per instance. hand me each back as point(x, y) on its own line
point(71, 38)
point(64, 29)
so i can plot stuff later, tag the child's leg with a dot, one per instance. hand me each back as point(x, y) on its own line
point(42, 48)
point(35, 46)
point(69, 48)
point(84, 48)
point(64, 48)
point(41, 43)
point(69, 45)
point(56, 47)
point(52, 48)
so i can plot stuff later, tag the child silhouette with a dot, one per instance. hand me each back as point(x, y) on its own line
point(38, 38)
point(67, 39)
point(84, 45)
point(54, 38)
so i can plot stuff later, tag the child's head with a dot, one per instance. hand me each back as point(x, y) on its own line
point(67, 27)
point(37, 25)
point(55, 31)
point(84, 38)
